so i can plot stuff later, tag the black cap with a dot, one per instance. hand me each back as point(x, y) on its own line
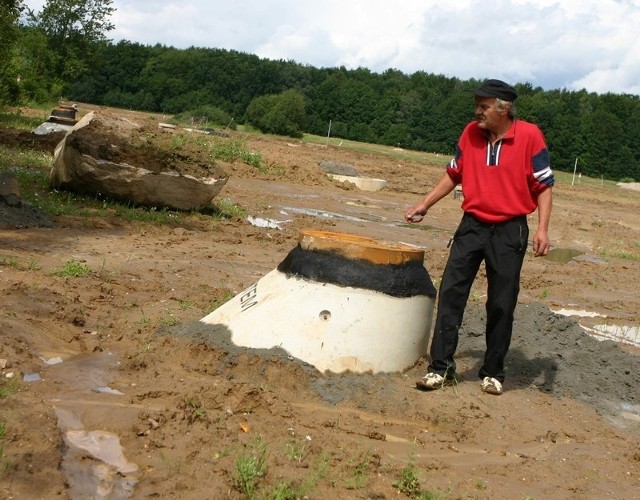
point(496, 88)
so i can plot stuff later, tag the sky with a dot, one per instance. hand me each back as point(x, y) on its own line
point(553, 44)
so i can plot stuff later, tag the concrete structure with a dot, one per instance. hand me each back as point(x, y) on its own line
point(339, 302)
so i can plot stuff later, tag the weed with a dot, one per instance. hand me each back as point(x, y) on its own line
point(409, 484)
point(186, 304)
point(195, 408)
point(360, 473)
point(431, 495)
point(235, 149)
point(226, 297)
point(144, 320)
point(3, 466)
point(226, 209)
point(251, 465)
point(284, 491)
point(620, 254)
point(9, 262)
point(72, 269)
point(451, 379)
point(168, 319)
point(544, 293)
point(295, 451)
point(221, 454)
point(33, 265)
point(8, 387)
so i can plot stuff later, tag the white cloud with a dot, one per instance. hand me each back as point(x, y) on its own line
point(569, 44)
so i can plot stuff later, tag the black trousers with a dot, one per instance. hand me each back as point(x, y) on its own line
point(502, 246)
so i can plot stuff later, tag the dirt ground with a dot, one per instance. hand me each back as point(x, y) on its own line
point(118, 359)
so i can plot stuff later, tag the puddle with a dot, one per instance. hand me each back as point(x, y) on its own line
point(625, 334)
point(95, 466)
point(362, 218)
point(323, 214)
point(93, 461)
point(579, 314)
point(269, 223)
point(563, 255)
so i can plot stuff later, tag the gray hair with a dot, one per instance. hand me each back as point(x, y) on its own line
point(501, 104)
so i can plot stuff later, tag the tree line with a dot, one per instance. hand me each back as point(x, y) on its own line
point(63, 51)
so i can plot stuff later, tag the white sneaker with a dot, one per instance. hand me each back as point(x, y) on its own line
point(430, 382)
point(491, 386)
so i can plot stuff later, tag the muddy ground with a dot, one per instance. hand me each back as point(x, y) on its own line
point(119, 354)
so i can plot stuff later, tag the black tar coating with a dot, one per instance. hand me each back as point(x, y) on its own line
point(397, 280)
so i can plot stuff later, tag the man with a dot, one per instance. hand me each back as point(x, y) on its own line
point(502, 165)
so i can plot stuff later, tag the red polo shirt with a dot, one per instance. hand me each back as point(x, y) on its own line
point(503, 180)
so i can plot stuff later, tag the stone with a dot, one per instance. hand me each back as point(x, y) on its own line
point(85, 167)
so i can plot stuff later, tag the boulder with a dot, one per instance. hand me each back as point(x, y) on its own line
point(106, 155)
point(335, 167)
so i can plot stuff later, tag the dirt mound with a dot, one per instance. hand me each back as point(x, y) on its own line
point(22, 216)
point(29, 140)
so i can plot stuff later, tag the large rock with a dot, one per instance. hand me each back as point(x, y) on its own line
point(110, 156)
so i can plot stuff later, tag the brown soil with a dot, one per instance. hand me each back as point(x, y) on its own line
point(188, 407)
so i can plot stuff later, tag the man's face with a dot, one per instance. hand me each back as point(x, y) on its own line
point(487, 114)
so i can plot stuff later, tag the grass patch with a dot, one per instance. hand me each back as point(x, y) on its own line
point(72, 269)
point(23, 122)
point(236, 150)
point(195, 409)
point(390, 151)
point(408, 483)
point(11, 262)
point(251, 466)
point(219, 301)
point(8, 387)
point(224, 208)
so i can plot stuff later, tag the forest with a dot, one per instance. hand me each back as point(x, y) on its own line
point(62, 52)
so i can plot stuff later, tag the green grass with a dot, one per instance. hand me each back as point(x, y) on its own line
point(408, 483)
point(9, 262)
point(234, 150)
point(8, 387)
point(3, 464)
point(72, 269)
point(224, 208)
point(195, 408)
point(390, 151)
point(251, 466)
point(23, 122)
point(219, 301)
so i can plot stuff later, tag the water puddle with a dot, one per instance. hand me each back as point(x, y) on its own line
point(624, 334)
point(361, 218)
point(92, 460)
point(268, 223)
point(563, 255)
point(95, 466)
point(579, 314)
point(323, 214)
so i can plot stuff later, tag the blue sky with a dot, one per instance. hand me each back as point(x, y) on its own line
point(571, 44)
